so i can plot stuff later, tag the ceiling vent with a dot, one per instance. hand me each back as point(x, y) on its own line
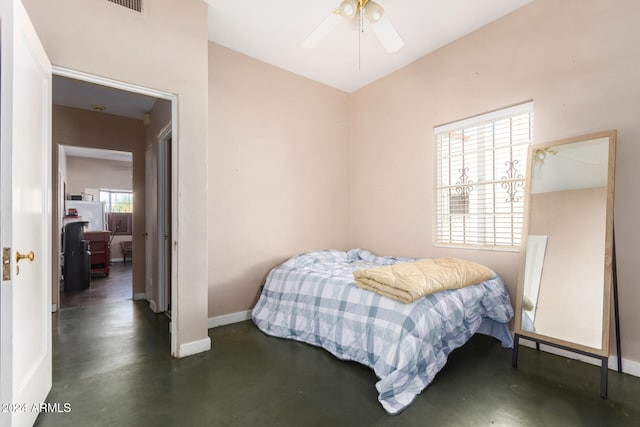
point(129, 4)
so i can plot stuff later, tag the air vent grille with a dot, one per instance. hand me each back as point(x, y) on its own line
point(129, 4)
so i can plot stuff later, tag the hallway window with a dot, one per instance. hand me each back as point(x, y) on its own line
point(119, 209)
point(117, 201)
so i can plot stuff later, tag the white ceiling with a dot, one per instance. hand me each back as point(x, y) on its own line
point(79, 94)
point(97, 153)
point(272, 31)
point(574, 166)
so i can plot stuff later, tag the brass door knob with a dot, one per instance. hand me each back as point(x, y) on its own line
point(30, 256)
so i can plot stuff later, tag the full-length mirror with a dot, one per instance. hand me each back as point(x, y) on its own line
point(565, 275)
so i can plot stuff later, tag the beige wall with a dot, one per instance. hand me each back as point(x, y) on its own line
point(164, 48)
point(83, 128)
point(87, 173)
point(578, 60)
point(278, 173)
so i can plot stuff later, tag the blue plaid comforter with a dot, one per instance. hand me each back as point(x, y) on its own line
point(313, 298)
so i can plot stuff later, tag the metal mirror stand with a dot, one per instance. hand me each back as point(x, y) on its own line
point(604, 360)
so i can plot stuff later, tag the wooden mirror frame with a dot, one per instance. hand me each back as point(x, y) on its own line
point(601, 353)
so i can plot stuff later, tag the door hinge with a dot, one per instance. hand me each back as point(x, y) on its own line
point(6, 264)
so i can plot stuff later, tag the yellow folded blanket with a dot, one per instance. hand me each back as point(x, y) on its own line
point(409, 281)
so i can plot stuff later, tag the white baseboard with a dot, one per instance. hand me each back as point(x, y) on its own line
point(54, 308)
point(194, 347)
point(227, 319)
point(630, 367)
point(117, 260)
point(139, 296)
point(153, 306)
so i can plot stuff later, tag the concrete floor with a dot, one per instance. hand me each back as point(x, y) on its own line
point(112, 365)
point(114, 287)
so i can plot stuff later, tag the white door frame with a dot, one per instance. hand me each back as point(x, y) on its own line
point(148, 232)
point(173, 98)
point(163, 137)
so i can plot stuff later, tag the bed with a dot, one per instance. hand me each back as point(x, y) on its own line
point(313, 298)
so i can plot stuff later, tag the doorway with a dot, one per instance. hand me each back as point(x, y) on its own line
point(169, 103)
point(98, 191)
point(158, 181)
point(164, 219)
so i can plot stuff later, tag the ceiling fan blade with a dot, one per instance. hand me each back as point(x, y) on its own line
point(322, 31)
point(387, 34)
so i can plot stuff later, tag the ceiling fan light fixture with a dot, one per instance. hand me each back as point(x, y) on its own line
point(373, 11)
point(360, 9)
point(348, 8)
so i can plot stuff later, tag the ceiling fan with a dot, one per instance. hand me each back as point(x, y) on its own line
point(353, 10)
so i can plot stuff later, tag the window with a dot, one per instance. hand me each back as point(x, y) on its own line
point(117, 201)
point(119, 208)
point(481, 168)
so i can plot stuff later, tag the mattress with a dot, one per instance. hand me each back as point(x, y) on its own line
point(313, 298)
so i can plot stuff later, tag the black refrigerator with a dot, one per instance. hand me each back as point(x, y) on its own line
point(77, 258)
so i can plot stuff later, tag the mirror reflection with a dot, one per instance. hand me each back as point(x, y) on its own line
point(564, 269)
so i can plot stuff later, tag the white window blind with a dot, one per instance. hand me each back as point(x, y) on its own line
point(481, 168)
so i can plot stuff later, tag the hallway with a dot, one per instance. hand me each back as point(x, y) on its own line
point(115, 287)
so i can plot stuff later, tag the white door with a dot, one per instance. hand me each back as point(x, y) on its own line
point(25, 218)
point(149, 210)
point(164, 221)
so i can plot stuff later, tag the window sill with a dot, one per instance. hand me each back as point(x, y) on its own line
point(478, 247)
